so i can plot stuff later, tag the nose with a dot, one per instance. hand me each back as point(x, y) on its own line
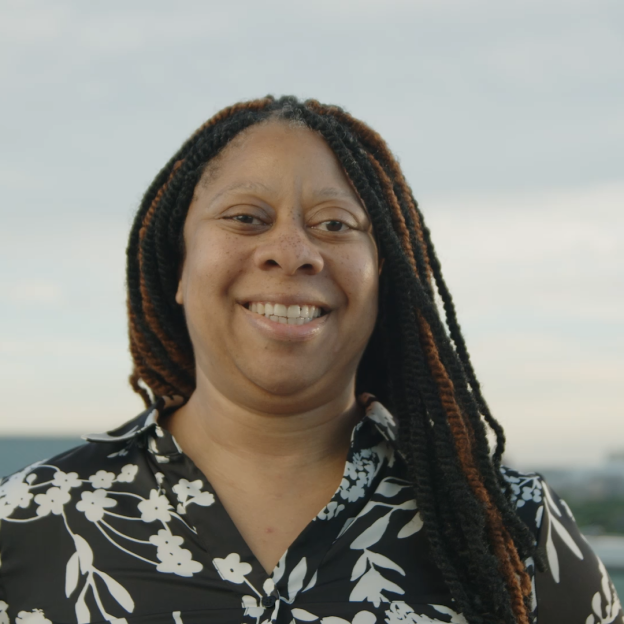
point(288, 246)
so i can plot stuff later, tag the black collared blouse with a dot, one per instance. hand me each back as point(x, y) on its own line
point(126, 529)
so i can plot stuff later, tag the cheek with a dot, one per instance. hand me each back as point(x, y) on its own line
point(360, 277)
point(211, 263)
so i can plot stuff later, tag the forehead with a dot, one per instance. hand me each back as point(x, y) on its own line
point(276, 153)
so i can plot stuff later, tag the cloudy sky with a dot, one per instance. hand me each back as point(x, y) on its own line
point(508, 120)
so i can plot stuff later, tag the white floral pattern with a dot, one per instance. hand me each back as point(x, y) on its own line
point(189, 493)
point(611, 610)
point(66, 480)
point(128, 473)
point(359, 474)
point(331, 510)
point(102, 479)
point(52, 501)
point(132, 506)
point(4, 616)
point(156, 507)
point(232, 569)
point(36, 616)
point(400, 612)
point(14, 492)
point(95, 504)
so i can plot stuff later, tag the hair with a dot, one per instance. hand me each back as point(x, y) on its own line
point(416, 361)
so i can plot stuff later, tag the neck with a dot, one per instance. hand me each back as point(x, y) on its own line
point(218, 433)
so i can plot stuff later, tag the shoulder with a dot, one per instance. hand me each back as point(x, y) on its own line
point(47, 485)
point(573, 585)
point(526, 490)
point(83, 460)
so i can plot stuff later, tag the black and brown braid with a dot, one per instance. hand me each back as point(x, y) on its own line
point(416, 362)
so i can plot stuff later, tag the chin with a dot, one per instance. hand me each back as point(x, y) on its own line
point(283, 387)
point(282, 383)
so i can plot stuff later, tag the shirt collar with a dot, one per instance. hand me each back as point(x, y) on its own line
point(161, 445)
point(134, 428)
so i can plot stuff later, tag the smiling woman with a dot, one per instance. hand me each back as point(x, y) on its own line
point(315, 444)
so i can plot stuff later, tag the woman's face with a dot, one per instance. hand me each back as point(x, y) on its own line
point(274, 230)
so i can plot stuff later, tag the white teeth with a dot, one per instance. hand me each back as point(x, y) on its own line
point(291, 315)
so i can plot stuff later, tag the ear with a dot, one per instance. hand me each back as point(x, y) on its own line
point(178, 296)
point(381, 265)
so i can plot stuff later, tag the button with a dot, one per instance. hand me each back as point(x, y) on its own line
point(268, 601)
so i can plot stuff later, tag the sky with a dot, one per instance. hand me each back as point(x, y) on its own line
point(508, 121)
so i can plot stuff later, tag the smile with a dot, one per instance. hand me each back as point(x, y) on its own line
point(287, 315)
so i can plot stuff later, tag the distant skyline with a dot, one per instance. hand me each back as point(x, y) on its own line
point(507, 120)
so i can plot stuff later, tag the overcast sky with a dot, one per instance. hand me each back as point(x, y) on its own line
point(508, 120)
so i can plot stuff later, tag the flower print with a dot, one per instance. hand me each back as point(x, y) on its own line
point(350, 492)
point(166, 541)
point(52, 501)
point(399, 612)
point(532, 493)
point(4, 616)
point(173, 559)
point(66, 480)
point(93, 504)
point(524, 488)
point(358, 475)
point(252, 607)
point(177, 561)
point(36, 616)
point(361, 617)
point(6, 508)
point(380, 415)
point(102, 479)
point(331, 510)
point(191, 491)
point(370, 587)
point(531, 490)
point(155, 508)
point(232, 568)
point(127, 474)
point(14, 493)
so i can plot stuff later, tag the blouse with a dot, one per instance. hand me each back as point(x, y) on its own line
point(126, 529)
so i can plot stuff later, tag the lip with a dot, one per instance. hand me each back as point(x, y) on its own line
point(281, 331)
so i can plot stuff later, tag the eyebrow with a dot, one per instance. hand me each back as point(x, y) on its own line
point(243, 186)
point(328, 192)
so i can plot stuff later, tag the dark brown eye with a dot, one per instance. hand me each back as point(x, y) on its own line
point(246, 219)
point(334, 226)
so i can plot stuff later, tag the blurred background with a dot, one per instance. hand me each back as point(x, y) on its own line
point(508, 120)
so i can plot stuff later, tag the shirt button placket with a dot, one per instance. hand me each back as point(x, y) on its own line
point(268, 601)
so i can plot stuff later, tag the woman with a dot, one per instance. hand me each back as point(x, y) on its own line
point(281, 292)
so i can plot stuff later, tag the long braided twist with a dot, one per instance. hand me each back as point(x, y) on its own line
point(416, 362)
